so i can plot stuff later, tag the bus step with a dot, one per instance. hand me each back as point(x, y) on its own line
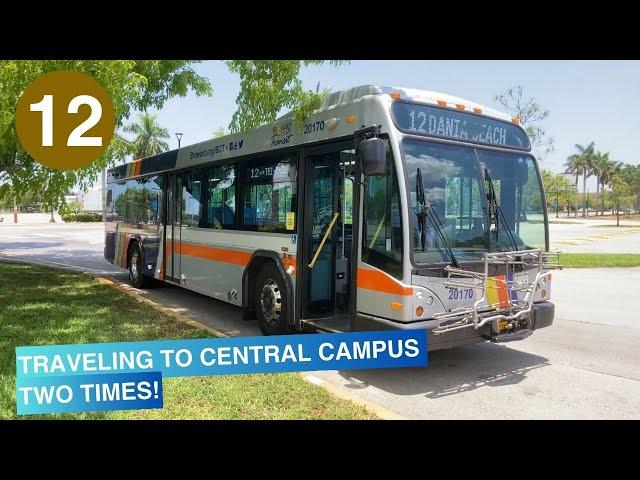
point(335, 324)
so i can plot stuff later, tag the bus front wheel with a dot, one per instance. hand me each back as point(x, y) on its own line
point(270, 301)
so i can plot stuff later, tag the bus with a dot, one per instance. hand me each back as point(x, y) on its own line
point(386, 208)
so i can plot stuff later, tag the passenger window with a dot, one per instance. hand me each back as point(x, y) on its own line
point(268, 196)
point(191, 195)
point(154, 192)
point(220, 211)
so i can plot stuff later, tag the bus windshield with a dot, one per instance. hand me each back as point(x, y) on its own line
point(452, 178)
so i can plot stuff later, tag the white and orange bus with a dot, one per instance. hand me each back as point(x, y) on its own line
point(387, 208)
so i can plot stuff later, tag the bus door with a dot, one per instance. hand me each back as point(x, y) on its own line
point(172, 235)
point(328, 232)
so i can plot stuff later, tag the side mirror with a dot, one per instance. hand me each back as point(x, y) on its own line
point(374, 156)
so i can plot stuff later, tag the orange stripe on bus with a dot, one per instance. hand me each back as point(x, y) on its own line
point(381, 282)
point(209, 253)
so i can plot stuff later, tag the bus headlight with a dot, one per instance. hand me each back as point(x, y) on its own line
point(419, 295)
point(429, 300)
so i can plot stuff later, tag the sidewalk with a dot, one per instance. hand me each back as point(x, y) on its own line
point(28, 218)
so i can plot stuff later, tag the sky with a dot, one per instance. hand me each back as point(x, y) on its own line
point(588, 100)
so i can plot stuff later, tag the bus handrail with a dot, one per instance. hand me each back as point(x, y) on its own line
point(324, 239)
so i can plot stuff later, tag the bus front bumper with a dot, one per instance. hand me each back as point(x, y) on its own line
point(540, 317)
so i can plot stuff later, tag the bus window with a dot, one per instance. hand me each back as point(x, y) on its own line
point(109, 205)
point(131, 203)
point(153, 190)
point(382, 237)
point(118, 208)
point(220, 210)
point(191, 195)
point(268, 195)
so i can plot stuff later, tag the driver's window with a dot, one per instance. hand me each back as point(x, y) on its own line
point(382, 238)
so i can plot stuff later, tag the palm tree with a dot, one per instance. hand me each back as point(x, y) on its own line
point(574, 165)
point(599, 165)
point(606, 172)
point(149, 136)
point(581, 163)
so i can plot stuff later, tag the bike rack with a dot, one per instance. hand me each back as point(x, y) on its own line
point(483, 312)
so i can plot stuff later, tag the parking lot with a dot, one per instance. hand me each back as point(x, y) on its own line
point(585, 366)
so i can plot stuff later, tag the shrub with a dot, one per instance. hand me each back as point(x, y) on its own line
point(82, 217)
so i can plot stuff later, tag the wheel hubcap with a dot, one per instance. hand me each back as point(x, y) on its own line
point(134, 265)
point(271, 301)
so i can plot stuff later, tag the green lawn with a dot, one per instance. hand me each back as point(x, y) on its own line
point(40, 306)
point(595, 260)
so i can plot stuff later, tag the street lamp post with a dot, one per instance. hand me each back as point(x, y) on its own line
point(179, 137)
point(557, 199)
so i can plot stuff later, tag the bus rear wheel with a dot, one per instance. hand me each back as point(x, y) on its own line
point(270, 301)
point(136, 277)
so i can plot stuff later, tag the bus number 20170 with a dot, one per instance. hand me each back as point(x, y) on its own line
point(313, 127)
point(460, 293)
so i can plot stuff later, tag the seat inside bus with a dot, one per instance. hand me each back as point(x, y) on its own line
point(221, 215)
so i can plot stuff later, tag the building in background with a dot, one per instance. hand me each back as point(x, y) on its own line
point(89, 201)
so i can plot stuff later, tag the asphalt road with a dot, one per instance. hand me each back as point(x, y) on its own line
point(585, 366)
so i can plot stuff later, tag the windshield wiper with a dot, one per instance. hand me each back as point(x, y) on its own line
point(495, 212)
point(427, 210)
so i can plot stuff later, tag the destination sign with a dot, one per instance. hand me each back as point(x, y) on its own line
point(457, 125)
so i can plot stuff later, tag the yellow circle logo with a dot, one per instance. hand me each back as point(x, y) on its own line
point(65, 120)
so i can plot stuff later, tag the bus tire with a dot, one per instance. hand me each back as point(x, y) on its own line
point(136, 277)
point(270, 301)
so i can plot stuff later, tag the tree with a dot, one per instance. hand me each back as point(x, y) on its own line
point(268, 86)
point(137, 85)
point(220, 132)
point(558, 188)
point(608, 171)
point(620, 192)
point(581, 163)
point(132, 85)
point(631, 175)
point(149, 136)
point(599, 167)
point(530, 114)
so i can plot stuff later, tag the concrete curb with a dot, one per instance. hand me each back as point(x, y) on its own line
point(381, 412)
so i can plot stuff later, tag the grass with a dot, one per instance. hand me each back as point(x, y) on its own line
point(40, 306)
point(597, 260)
